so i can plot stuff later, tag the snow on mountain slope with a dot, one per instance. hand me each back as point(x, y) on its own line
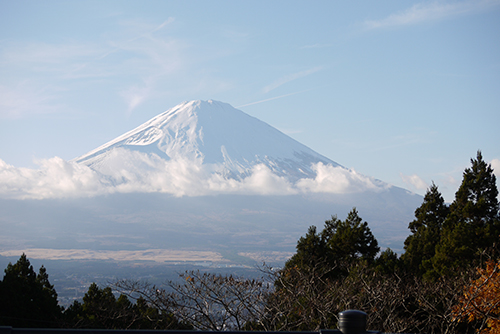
point(216, 134)
point(197, 148)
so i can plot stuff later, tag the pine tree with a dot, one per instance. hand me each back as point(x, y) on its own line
point(28, 299)
point(473, 224)
point(426, 232)
point(311, 252)
point(350, 240)
point(339, 245)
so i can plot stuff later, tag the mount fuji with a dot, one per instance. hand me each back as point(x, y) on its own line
point(202, 181)
point(216, 134)
point(209, 147)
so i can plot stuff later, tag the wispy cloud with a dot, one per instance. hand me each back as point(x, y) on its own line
point(39, 56)
point(316, 46)
point(136, 61)
point(291, 77)
point(414, 181)
point(426, 12)
point(272, 98)
point(25, 98)
point(135, 95)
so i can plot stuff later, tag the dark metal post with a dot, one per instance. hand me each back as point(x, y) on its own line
point(352, 322)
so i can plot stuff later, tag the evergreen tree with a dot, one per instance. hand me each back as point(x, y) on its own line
point(339, 245)
point(473, 224)
point(28, 299)
point(387, 263)
point(350, 240)
point(426, 232)
point(311, 252)
point(99, 306)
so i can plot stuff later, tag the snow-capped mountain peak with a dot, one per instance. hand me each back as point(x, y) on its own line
point(214, 134)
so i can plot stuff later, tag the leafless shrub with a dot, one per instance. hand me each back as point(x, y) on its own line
point(207, 301)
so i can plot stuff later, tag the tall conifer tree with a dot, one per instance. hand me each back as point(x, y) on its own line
point(426, 231)
point(27, 299)
point(473, 224)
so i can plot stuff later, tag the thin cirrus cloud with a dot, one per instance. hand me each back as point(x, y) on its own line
point(316, 46)
point(36, 76)
point(291, 77)
point(426, 12)
point(273, 98)
point(136, 62)
point(136, 95)
point(27, 98)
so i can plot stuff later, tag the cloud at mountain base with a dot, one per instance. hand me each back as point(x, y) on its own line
point(338, 180)
point(132, 171)
point(55, 178)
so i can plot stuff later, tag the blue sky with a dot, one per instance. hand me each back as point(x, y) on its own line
point(405, 92)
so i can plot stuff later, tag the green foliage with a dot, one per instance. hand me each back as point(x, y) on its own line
point(426, 232)
point(446, 240)
point(336, 269)
point(311, 251)
point(28, 299)
point(476, 201)
point(307, 288)
point(387, 263)
point(473, 224)
point(340, 244)
point(350, 240)
point(396, 302)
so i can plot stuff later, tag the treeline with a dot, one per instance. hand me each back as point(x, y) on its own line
point(446, 281)
point(29, 300)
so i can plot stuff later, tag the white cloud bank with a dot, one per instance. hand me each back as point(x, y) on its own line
point(56, 178)
point(129, 171)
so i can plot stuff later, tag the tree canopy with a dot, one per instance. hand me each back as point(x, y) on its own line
point(426, 232)
point(32, 299)
point(339, 244)
point(473, 224)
